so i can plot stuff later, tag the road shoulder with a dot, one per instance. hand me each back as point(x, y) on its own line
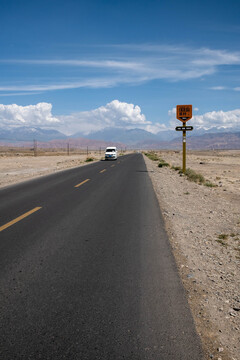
point(195, 216)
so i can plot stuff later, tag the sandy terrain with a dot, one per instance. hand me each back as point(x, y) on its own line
point(204, 229)
point(220, 167)
point(14, 169)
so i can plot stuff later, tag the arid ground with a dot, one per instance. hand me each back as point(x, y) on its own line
point(203, 223)
point(20, 166)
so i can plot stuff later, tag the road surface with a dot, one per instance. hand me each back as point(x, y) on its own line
point(86, 269)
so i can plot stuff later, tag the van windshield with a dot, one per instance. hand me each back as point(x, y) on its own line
point(110, 150)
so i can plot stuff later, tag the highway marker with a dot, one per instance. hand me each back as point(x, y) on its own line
point(83, 182)
point(184, 113)
point(103, 170)
point(19, 218)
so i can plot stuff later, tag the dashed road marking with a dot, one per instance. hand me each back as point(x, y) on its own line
point(10, 223)
point(83, 182)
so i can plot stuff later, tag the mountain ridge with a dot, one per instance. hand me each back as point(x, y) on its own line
point(131, 138)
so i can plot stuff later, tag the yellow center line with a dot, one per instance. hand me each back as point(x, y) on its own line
point(19, 218)
point(103, 170)
point(83, 182)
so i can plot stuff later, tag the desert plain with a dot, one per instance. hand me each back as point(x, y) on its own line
point(18, 165)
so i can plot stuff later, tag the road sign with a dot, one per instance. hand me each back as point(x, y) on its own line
point(182, 128)
point(184, 112)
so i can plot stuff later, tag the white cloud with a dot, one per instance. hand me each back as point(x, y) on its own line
point(220, 119)
point(114, 114)
point(155, 128)
point(214, 119)
point(31, 115)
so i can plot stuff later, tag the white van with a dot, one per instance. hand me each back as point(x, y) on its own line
point(111, 153)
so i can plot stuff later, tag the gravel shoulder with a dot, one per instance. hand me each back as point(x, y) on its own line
point(203, 225)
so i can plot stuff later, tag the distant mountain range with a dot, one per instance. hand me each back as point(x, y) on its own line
point(25, 133)
point(138, 137)
point(211, 141)
point(130, 137)
point(80, 143)
point(134, 138)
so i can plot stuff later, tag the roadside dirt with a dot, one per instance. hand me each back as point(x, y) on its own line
point(14, 169)
point(203, 224)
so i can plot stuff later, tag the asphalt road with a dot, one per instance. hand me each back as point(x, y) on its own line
point(87, 272)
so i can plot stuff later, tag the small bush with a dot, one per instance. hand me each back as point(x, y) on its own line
point(162, 163)
point(220, 241)
point(223, 236)
point(176, 168)
point(89, 159)
point(152, 156)
point(209, 184)
point(193, 176)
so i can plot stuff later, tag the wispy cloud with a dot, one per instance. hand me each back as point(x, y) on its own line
point(20, 94)
point(108, 64)
point(128, 64)
point(218, 88)
point(89, 83)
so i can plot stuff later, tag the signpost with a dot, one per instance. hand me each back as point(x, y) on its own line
point(184, 113)
point(181, 128)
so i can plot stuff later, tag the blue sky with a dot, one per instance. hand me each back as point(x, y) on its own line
point(94, 64)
